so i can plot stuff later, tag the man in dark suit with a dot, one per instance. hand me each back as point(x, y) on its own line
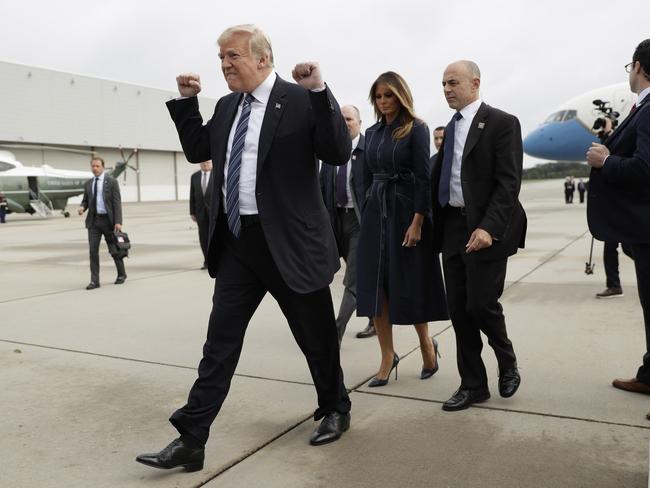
point(269, 229)
point(200, 196)
point(438, 137)
point(478, 223)
point(103, 202)
point(618, 202)
point(344, 192)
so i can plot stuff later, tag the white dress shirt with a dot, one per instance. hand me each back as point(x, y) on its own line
point(101, 206)
point(349, 204)
point(248, 169)
point(461, 130)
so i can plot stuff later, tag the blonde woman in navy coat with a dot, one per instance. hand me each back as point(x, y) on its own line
point(399, 278)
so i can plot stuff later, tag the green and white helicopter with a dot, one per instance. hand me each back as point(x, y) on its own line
point(42, 189)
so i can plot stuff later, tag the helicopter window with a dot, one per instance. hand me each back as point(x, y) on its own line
point(569, 114)
point(6, 166)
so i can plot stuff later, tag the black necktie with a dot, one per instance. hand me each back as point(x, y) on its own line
point(94, 201)
point(342, 185)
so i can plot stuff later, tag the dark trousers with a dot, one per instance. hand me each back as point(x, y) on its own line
point(473, 291)
point(246, 272)
point(641, 253)
point(101, 226)
point(3, 212)
point(610, 261)
point(582, 196)
point(348, 238)
point(203, 223)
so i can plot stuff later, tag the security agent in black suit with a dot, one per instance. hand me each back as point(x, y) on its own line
point(618, 202)
point(438, 137)
point(200, 196)
point(478, 223)
point(273, 233)
point(344, 192)
point(103, 202)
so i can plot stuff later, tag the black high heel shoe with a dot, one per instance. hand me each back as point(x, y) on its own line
point(429, 372)
point(378, 381)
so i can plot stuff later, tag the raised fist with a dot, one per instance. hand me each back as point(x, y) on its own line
point(189, 84)
point(308, 75)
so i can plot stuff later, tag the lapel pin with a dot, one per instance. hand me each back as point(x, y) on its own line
point(354, 156)
point(481, 125)
point(278, 106)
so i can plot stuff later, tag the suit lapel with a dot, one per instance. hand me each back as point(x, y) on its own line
point(625, 122)
point(274, 110)
point(475, 131)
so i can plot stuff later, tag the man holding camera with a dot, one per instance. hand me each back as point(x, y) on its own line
point(618, 204)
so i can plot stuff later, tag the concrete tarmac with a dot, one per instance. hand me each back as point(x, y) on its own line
point(89, 378)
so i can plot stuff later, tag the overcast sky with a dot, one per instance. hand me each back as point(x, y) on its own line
point(533, 55)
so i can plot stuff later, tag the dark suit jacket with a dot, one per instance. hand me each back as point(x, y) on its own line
point(491, 172)
point(360, 181)
point(199, 203)
point(618, 202)
point(298, 127)
point(112, 200)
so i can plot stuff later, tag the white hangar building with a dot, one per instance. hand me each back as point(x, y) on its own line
point(47, 115)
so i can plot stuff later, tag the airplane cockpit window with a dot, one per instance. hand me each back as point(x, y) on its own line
point(569, 114)
point(555, 117)
point(561, 116)
point(6, 166)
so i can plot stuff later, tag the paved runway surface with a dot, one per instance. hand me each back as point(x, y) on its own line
point(89, 378)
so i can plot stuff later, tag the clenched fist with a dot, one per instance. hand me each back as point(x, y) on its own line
point(308, 75)
point(189, 84)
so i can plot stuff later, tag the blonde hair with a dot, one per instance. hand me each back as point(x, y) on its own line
point(397, 85)
point(259, 42)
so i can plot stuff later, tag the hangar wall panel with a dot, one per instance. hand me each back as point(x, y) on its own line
point(156, 175)
point(51, 107)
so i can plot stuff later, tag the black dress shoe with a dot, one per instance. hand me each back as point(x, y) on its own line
point(176, 454)
point(509, 381)
point(369, 331)
point(120, 279)
point(92, 285)
point(330, 429)
point(463, 398)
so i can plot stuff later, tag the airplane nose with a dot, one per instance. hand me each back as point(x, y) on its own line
point(537, 144)
point(559, 141)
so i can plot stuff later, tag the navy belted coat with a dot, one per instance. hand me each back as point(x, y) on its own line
point(410, 278)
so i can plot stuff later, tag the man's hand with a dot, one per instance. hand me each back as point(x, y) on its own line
point(193, 217)
point(81, 210)
point(596, 155)
point(308, 76)
point(189, 84)
point(118, 227)
point(479, 239)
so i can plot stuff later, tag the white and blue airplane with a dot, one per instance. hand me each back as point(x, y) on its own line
point(567, 133)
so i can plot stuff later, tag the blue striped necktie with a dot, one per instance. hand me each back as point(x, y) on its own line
point(444, 187)
point(234, 166)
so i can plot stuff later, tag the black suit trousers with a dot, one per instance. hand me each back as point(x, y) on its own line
point(473, 291)
point(101, 226)
point(641, 254)
point(203, 223)
point(246, 272)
